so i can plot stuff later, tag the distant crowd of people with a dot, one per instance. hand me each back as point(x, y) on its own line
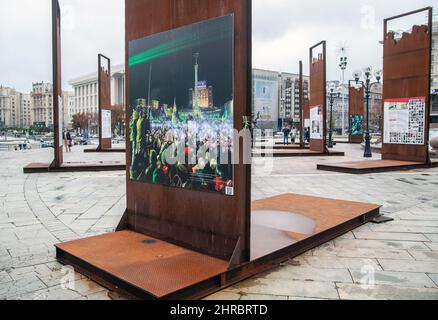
point(156, 143)
point(291, 132)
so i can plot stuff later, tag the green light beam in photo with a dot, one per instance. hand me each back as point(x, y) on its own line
point(178, 45)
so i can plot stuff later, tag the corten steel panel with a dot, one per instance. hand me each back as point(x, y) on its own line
point(142, 267)
point(318, 92)
point(407, 74)
point(356, 106)
point(104, 92)
point(282, 230)
point(206, 222)
point(301, 88)
point(374, 166)
point(157, 267)
point(306, 109)
point(57, 82)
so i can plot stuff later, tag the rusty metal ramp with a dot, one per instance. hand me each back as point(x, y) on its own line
point(282, 227)
point(154, 268)
point(371, 166)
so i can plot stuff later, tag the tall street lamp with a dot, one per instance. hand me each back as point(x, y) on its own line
point(367, 75)
point(333, 93)
point(343, 66)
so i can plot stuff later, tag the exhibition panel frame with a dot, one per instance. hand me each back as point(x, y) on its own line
point(406, 91)
point(105, 107)
point(186, 238)
point(58, 164)
point(318, 98)
point(406, 102)
point(356, 112)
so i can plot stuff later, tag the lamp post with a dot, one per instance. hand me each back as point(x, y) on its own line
point(343, 66)
point(333, 93)
point(367, 75)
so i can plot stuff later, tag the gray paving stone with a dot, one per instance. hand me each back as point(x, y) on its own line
point(404, 229)
point(306, 273)
point(54, 293)
point(224, 296)
point(412, 266)
point(336, 262)
point(399, 279)
point(391, 236)
point(385, 292)
point(102, 296)
point(432, 246)
point(324, 290)
point(425, 255)
point(4, 277)
point(381, 244)
point(262, 297)
point(434, 278)
point(432, 237)
point(15, 288)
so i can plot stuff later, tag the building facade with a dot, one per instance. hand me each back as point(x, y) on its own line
point(42, 103)
point(434, 80)
point(290, 97)
point(85, 89)
point(265, 99)
point(15, 109)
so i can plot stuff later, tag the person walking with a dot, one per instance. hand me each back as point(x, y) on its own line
point(307, 135)
point(69, 141)
point(286, 133)
point(65, 140)
point(294, 134)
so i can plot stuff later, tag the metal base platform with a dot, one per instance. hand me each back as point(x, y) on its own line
point(140, 267)
point(114, 150)
point(282, 147)
point(295, 153)
point(74, 167)
point(372, 166)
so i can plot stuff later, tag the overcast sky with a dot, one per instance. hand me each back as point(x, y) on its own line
point(282, 34)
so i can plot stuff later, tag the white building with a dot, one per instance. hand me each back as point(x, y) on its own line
point(15, 109)
point(86, 90)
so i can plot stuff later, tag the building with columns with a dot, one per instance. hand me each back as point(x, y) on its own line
point(86, 90)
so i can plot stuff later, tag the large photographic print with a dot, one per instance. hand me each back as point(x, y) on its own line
point(181, 107)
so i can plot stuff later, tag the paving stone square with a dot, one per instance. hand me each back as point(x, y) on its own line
point(397, 260)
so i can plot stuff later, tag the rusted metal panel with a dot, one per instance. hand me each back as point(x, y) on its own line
point(57, 82)
point(318, 92)
point(374, 166)
point(406, 74)
point(356, 108)
point(206, 222)
point(143, 267)
point(158, 267)
point(104, 94)
point(301, 103)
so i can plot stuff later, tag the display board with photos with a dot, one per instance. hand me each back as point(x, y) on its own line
point(405, 121)
point(316, 123)
point(181, 111)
